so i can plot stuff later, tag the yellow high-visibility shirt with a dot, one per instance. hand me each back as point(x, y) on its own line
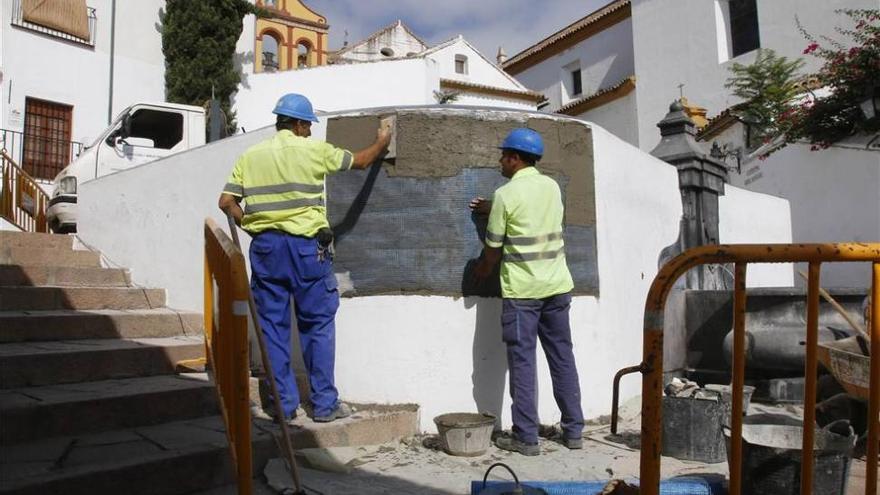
point(281, 181)
point(526, 220)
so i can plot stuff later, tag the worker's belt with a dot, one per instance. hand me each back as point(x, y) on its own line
point(324, 236)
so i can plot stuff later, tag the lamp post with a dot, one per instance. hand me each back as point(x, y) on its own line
point(871, 104)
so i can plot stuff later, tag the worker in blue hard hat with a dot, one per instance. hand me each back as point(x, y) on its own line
point(281, 181)
point(524, 233)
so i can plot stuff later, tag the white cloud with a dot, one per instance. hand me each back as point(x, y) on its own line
point(513, 24)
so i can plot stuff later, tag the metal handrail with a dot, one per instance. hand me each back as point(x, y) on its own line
point(64, 151)
point(226, 345)
point(741, 255)
point(22, 202)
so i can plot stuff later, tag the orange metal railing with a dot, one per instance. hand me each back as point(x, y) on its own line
point(741, 255)
point(226, 343)
point(22, 202)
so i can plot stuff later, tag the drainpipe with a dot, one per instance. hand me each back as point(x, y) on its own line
point(112, 53)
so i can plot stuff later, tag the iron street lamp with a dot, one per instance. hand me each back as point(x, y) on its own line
point(871, 104)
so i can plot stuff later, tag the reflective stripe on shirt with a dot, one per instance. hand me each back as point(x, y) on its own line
point(282, 205)
point(283, 188)
point(530, 241)
point(526, 257)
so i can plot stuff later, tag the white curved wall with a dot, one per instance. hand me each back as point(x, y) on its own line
point(443, 353)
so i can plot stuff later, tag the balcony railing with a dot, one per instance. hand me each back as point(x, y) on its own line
point(18, 20)
point(39, 156)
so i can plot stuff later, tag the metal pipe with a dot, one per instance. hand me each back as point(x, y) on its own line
point(615, 394)
point(811, 368)
point(874, 397)
point(112, 56)
point(239, 381)
point(739, 369)
point(652, 382)
point(270, 375)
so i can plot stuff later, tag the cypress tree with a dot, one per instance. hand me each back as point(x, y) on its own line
point(198, 41)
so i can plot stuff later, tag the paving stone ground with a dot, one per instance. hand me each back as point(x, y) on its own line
point(416, 466)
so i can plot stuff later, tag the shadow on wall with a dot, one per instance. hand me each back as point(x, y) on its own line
point(489, 357)
point(491, 287)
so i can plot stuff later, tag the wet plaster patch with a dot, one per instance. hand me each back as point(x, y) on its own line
point(445, 158)
point(568, 151)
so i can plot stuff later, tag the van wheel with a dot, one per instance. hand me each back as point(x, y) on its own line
point(62, 229)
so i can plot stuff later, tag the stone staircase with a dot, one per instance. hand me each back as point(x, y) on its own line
point(90, 401)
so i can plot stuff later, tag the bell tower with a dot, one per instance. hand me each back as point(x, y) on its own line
point(292, 37)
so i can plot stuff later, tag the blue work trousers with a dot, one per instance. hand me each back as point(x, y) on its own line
point(523, 322)
point(286, 266)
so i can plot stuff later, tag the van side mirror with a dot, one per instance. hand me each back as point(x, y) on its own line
point(125, 130)
point(121, 132)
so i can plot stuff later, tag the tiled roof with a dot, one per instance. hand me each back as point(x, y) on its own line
point(566, 32)
point(532, 96)
point(618, 89)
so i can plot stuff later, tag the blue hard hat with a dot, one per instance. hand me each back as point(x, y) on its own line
point(523, 139)
point(296, 106)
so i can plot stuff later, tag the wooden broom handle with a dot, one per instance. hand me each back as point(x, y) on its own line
point(834, 304)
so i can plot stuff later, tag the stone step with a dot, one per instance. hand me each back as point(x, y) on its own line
point(36, 326)
point(52, 298)
point(179, 457)
point(64, 276)
point(33, 364)
point(33, 413)
point(21, 255)
point(35, 240)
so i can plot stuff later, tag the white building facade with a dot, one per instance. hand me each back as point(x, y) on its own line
point(374, 73)
point(686, 48)
point(66, 74)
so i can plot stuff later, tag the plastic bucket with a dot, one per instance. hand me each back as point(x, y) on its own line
point(692, 427)
point(771, 459)
point(465, 434)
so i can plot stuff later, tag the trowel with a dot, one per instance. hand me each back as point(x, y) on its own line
point(390, 122)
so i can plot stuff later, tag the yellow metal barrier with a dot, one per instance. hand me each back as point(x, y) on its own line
point(226, 343)
point(741, 255)
point(22, 202)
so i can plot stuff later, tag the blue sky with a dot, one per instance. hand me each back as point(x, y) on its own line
point(513, 24)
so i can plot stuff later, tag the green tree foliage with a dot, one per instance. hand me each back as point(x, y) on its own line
point(198, 40)
point(778, 105)
point(768, 87)
point(851, 72)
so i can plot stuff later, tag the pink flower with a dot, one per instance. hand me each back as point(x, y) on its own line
point(811, 48)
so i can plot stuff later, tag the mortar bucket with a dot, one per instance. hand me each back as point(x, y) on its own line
point(771, 459)
point(727, 399)
point(692, 427)
point(465, 434)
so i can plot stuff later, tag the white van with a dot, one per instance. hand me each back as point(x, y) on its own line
point(140, 134)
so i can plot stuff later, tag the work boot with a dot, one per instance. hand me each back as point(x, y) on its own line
point(299, 412)
point(342, 410)
point(511, 443)
point(573, 443)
